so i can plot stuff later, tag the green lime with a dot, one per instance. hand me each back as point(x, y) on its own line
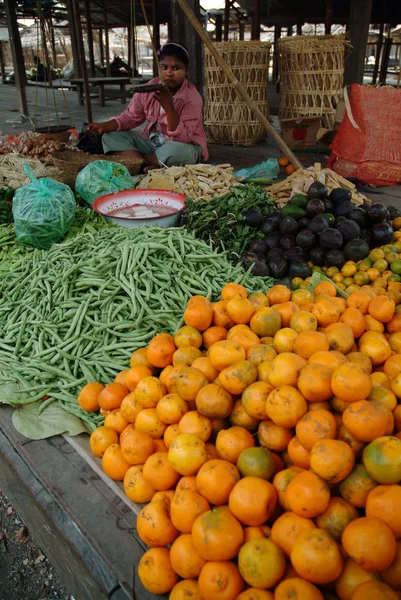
point(295, 282)
point(392, 257)
point(389, 248)
point(256, 462)
point(396, 267)
point(364, 264)
point(332, 271)
point(316, 269)
point(380, 264)
point(394, 278)
point(376, 254)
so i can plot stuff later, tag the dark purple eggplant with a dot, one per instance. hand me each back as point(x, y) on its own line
point(287, 241)
point(315, 207)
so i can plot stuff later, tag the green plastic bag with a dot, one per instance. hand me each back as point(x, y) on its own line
point(102, 177)
point(43, 211)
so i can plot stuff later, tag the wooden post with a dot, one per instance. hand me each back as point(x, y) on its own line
point(101, 47)
point(277, 35)
point(299, 28)
point(238, 86)
point(194, 45)
point(241, 30)
point(74, 39)
point(156, 34)
point(44, 46)
point(135, 64)
point(129, 44)
point(81, 50)
point(2, 63)
point(255, 35)
point(226, 19)
point(378, 54)
point(359, 20)
point(385, 59)
point(88, 19)
point(53, 42)
point(329, 17)
point(177, 23)
point(106, 34)
point(17, 55)
point(289, 30)
point(219, 28)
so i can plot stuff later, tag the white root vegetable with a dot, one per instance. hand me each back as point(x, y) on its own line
point(12, 172)
point(197, 181)
point(300, 181)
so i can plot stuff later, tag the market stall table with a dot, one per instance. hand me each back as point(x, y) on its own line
point(83, 526)
point(101, 83)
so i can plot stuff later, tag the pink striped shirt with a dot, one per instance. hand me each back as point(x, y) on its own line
point(188, 104)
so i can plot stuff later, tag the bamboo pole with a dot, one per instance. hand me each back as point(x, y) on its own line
point(238, 86)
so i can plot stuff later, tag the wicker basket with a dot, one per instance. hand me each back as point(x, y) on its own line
point(71, 162)
point(228, 119)
point(61, 133)
point(311, 76)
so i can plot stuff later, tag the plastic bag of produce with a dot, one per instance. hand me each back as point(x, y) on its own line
point(102, 177)
point(268, 169)
point(43, 211)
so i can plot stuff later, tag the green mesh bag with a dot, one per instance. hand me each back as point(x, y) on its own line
point(102, 177)
point(43, 211)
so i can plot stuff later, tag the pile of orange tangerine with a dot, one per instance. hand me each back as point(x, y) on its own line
point(265, 438)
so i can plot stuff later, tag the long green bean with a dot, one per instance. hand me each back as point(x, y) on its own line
point(76, 312)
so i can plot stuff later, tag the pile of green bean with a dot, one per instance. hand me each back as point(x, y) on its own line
point(85, 220)
point(76, 312)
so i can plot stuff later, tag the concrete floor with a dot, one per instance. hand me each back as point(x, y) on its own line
point(68, 111)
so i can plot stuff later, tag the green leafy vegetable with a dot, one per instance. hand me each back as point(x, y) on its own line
point(221, 221)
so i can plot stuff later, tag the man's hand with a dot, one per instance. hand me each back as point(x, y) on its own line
point(100, 128)
point(165, 99)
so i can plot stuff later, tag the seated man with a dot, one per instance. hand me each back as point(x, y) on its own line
point(174, 132)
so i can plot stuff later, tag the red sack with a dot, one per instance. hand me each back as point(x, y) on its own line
point(368, 143)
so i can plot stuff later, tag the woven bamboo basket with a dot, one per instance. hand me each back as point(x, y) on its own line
point(71, 162)
point(228, 119)
point(311, 76)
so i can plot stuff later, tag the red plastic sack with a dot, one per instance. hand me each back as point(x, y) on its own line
point(368, 143)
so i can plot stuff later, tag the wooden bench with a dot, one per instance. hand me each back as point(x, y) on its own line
point(86, 530)
point(101, 83)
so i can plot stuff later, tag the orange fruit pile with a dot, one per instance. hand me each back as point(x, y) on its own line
point(264, 439)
